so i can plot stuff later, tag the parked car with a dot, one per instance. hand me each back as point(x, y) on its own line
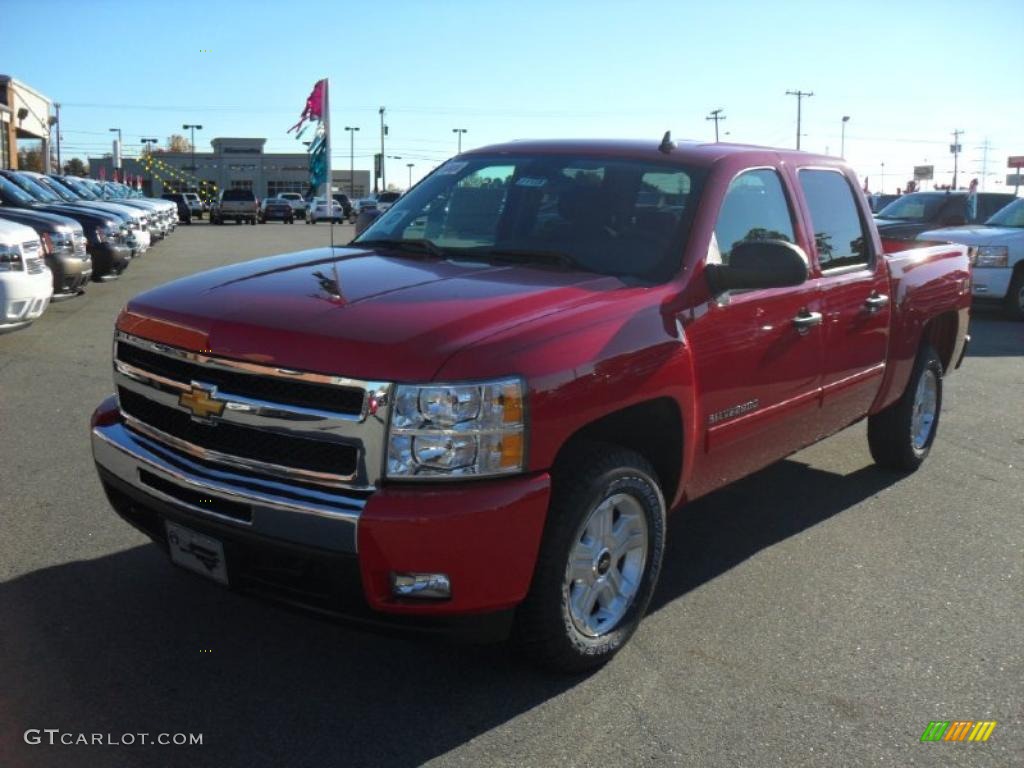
point(276, 209)
point(318, 211)
point(183, 203)
point(363, 204)
point(195, 204)
point(107, 233)
point(297, 202)
point(238, 204)
point(345, 203)
point(386, 199)
point(64, 248)
point(910, 215)
point(998, 256)
point(879, 201)
point(483, 409)
point(26, 284)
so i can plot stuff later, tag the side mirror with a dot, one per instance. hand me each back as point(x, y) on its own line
point(759, 264)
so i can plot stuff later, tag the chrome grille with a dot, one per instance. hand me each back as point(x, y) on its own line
point(303, 427)
point(34, 263)
point(78, 238)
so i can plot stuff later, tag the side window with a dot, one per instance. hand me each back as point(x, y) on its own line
point(838, 231)
point(754, 208)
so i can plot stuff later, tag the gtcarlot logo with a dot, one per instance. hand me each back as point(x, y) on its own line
point(54, 736)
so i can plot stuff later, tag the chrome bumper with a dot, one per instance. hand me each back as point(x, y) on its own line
point(283, 511)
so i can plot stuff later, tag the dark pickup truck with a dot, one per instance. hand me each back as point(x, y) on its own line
point(481, 411)
point(908, 216)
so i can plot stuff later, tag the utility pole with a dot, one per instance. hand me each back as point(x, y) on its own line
point(60, 167)
point(194, 128)
point(800, 95)
point(351, 160)
point(459, 131)
point(716, 115)
point(410, 166)
point(842, 142)
point(383, 177)
point(984, 160)
point(955, 149)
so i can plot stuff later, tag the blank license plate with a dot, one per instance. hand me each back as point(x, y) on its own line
point(197, 552)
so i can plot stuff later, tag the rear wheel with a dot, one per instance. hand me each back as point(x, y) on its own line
point(599, 560)
point(901, 436)
point(1013, 304)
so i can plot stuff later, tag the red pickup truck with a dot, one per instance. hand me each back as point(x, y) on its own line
point(477, 415)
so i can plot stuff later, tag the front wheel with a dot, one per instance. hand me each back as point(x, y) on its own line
point(901, 436)
point(599, 560)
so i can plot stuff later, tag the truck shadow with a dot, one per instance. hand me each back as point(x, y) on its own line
point(995, 335)
point(719, 531)
point(127, 643)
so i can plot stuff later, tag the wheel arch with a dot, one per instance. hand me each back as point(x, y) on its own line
point(941, 332)
point(652, 428)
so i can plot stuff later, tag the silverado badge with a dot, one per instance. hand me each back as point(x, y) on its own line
point(199, 400)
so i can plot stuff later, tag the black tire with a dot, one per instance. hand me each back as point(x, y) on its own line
point(545, 630)
point(890, 435)
point(1013, 304)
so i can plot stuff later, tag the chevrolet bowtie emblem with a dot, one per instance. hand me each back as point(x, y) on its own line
point(199, 401)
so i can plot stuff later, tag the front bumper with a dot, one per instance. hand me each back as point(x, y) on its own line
point(108, 259)
point(484, 535)
point(990, 282)
point(71, 273)
point(23, 297)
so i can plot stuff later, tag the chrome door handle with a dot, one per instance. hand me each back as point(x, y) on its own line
point(875, 302)
point(805, 320)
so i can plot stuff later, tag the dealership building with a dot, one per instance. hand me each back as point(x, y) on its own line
point(234, 163)
point(24, 114)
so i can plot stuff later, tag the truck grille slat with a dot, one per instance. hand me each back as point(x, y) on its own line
point(345, 400)
point(259, 445)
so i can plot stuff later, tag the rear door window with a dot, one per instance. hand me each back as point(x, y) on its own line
point(839, 233)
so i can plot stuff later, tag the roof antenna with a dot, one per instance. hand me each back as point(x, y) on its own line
point(667, 145)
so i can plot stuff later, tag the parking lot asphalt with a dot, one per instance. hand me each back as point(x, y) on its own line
point(820, 612)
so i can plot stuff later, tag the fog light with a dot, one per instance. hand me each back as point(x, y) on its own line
point(421, 585)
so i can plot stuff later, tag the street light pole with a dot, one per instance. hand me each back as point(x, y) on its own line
point(460, 131)
point(842, 142)
point(147, 148)
point(800, 95)
point(383, 176)
point(351, 160)
point(120, 148)
point(194, 128)
point(410, 166)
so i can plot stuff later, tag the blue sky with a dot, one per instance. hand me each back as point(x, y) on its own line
point(907, 73)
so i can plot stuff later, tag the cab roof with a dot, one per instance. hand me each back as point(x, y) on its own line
point(692, 153)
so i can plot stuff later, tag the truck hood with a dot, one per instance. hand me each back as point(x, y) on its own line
point(353, 312)
point(977, 235)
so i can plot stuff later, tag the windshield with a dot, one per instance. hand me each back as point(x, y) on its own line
point(914, 207)
point(605, 215)
point(14, 192)
point(56, 188)
point(38, 192)
point(1011, 215)
point(81, 188)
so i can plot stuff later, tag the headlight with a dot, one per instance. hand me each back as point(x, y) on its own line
point(10, 259)
point(457, 430)
point(992, 256)
point(107, 232)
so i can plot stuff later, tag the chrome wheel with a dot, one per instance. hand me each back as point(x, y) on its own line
point(606, 565)
point(926, 400)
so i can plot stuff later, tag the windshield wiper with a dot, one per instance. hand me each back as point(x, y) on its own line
point(526, 255)
point(421, 244)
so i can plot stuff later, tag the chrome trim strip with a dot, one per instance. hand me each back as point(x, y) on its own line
point(119, 452)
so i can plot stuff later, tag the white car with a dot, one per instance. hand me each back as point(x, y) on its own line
point(26, 283)
point(318, 211)
point(998, 258)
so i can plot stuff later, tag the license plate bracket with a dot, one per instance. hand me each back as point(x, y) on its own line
point(196, 552)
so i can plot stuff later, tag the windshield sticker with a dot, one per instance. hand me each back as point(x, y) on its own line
point(526, 181)
point(452, 167)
